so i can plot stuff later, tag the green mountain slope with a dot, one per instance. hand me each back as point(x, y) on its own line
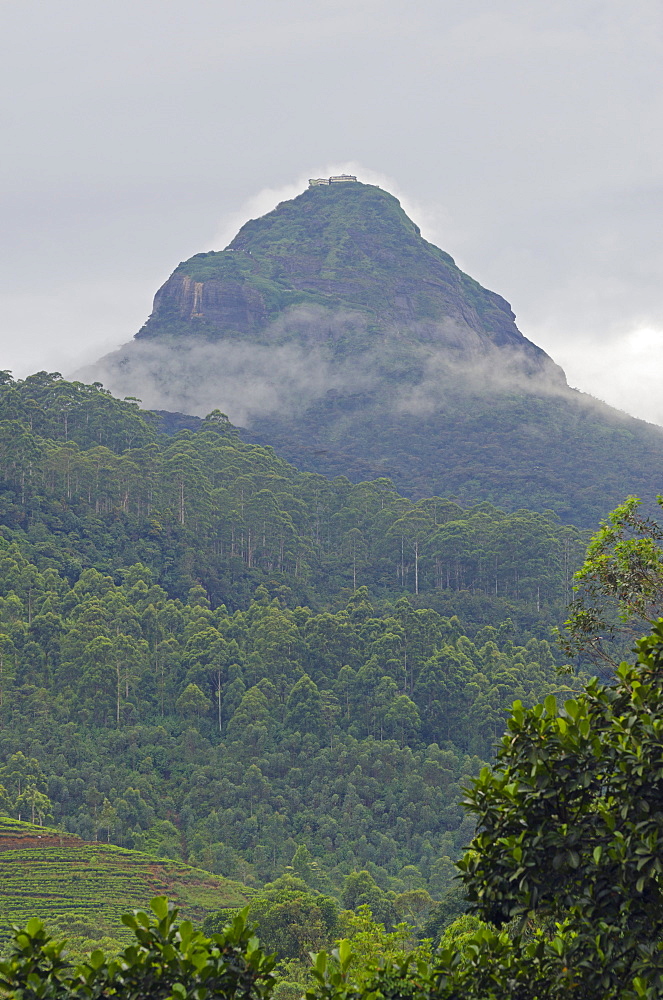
point(332, 330)
point(209, 655)
point(73, 885)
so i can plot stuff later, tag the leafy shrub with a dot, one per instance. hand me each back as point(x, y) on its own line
point(168, 960)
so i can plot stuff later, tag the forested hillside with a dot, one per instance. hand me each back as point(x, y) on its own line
point(206, 507)
point(209, 655)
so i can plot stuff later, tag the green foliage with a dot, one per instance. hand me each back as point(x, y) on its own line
point(372, 944)
point(31, 801)
point(567, 853)
point(292, 920)
point(570, 825)
point(449, 910)
point(304, 707)
point(141, 709)
point(567, 844)
point(168, 960)
point(205, 507)
point(361, 890)
point(620, 584)
point(553, 452)
point(192, 703)
point(440, 418)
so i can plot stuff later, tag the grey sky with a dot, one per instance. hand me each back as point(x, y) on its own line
point(525, 139)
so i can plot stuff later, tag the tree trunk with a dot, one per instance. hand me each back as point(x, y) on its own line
point(119, 692)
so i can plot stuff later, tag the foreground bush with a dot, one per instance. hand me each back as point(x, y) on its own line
point(168, 960)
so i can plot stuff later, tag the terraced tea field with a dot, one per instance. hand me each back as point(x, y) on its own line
point(69, 883)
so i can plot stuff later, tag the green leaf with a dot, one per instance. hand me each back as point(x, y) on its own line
point(159, 906)
point(344, 953)
point(572, 708)
point(97, 959)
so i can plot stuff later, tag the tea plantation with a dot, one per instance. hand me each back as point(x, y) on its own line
point(80, 889)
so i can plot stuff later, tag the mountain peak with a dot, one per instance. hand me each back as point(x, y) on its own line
point(331, 329)
point(338, 248)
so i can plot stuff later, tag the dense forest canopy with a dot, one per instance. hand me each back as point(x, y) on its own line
point(210, 655)
point(563, 875)
point(78, 462)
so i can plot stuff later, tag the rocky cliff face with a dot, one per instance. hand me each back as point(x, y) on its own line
point(223, 306)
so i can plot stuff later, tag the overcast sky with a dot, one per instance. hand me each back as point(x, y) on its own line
point(524, 137)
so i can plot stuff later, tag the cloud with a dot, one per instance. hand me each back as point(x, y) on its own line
point(37, 324)
point(450, 377)
point(526, 136)
point(248, 380)
point(624, 372)
point(300, 359)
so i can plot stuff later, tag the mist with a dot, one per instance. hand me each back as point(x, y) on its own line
point(303, 357)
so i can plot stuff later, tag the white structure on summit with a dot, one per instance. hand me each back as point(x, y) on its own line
point(337, 179)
